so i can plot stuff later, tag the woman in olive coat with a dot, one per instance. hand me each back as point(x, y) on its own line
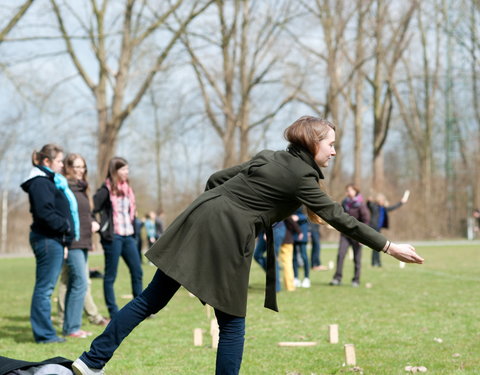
point(208, 248)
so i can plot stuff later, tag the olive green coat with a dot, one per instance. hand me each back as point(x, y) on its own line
point(208, 248)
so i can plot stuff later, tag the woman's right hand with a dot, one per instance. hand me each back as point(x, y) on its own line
point(405, 253)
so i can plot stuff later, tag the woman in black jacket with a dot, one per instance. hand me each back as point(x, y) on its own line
point(51, 233)
point(208, 248)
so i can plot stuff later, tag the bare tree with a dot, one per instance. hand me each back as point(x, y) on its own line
point(417, 99)
point(241, 55)
point(118, 87)
point(14, 20)
point(391, 39)
point(356, 90)
point(334, 18)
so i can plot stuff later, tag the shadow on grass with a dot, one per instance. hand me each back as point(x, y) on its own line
point(18, 328)
point(256, 288)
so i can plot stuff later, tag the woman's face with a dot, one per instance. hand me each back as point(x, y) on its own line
point(325, 149)
point(351, 192)
point(78, 168)
point(56, 164)
point(122, 173)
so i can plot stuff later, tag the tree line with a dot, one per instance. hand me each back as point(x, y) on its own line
point(212, 80)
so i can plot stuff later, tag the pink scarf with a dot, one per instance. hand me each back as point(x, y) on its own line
point(125, 191)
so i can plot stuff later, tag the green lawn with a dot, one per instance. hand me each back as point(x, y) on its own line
point(393, 324)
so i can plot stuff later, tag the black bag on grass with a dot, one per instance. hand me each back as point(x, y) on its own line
point(51, 366)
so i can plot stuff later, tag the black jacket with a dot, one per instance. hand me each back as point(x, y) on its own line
point(103, 205)
point(49, 206)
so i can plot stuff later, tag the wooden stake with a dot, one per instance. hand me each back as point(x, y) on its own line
point(197, 337)
point(350, 359)
point(214, 332)
point(297, 343)
point(333, 333)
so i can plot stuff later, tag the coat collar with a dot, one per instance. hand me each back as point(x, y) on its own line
point(302, 153)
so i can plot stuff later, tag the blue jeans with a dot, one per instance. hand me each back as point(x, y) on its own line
point(315, 240)
point(76, 290)
point(49, 259)
point(279, 231)
point(126, 247)
point(156, 296)
point(300, 247)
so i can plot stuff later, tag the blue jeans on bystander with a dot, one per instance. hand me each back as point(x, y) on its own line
point(49, 258)
point(76, 289)
point(125, 247)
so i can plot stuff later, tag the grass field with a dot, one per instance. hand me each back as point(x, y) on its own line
point(393, 324)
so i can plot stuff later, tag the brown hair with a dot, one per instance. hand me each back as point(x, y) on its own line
point(306, 132)
point(69, 174)
point(354, 187)
point(114, 165)
point(68, 166)
point(49, 151)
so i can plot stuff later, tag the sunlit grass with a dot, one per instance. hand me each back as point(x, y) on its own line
point(392, 324)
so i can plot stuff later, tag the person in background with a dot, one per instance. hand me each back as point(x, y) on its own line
point(160, 222)
point(52, 231)
point(314, 235)
point(138, 224)
point(286, 252)
point(379, 210)
point(300, 250)
point(354, 205)
point(151, 228)
point(208, 248)
point(476, 216)
point(261, 248)
point(115, 201)
point(74, 289)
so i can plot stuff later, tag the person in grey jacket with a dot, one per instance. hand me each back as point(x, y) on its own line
point(213, 261)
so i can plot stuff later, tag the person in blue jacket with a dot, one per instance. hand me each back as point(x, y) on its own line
point(52, 231)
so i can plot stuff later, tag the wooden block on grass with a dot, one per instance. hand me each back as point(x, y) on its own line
point(333, 333)
point(350, 359)
point(214, 332)
point(297, 343)
point(197, 337)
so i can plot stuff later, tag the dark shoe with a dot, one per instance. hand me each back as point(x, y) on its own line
point(55, 340)
point(334, 282)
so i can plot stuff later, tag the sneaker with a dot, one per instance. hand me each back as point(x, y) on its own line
point(101, 322)
point(79, 334)
point(306, 283)
point(297, 283)
point(320, 268)
point(355, 284)
point(80, 368)
point(55, 340)
point(334, 282)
